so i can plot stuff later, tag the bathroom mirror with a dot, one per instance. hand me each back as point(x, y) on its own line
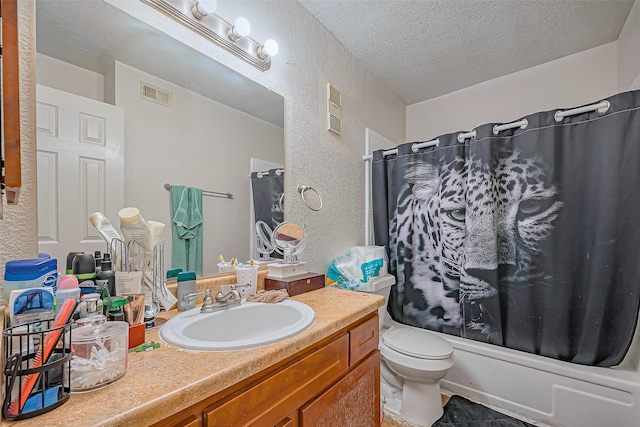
point(289, 239)
point(188, 120)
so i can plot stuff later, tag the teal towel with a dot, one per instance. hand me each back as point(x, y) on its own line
point(186, 228)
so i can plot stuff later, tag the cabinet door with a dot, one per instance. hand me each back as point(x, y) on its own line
point(290, 421)
point(270, 401)
point(353, 401)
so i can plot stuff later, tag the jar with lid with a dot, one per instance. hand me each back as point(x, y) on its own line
point(99, 355)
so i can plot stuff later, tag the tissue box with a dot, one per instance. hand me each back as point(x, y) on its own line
point(296, 285)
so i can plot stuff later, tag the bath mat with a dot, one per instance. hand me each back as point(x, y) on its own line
point(461, 412)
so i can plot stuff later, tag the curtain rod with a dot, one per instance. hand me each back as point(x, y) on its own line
point(208, 193)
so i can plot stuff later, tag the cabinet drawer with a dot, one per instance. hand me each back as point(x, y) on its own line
point(276, 397)
point(363, 339)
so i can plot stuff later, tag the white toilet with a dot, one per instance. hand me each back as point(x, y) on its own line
point(413, 361)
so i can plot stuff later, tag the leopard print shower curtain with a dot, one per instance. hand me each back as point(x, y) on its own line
point(527, 238)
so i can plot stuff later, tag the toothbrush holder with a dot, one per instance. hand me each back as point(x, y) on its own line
point(247, 275)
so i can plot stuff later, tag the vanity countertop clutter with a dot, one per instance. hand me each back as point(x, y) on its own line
point(165, 381)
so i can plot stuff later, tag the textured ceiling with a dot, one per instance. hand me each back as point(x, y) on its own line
point(424, 49)
point(91, 34)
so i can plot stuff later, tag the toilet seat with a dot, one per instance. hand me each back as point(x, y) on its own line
point(417, 343)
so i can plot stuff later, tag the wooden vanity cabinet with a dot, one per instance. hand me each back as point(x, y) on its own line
point(333, 383)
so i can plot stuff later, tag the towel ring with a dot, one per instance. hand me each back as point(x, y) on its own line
point(302, 189)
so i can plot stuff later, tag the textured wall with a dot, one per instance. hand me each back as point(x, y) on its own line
point(629, 52)
point(566, 82)
point(18, 234)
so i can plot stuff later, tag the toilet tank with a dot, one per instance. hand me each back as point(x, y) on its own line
point(381, 286)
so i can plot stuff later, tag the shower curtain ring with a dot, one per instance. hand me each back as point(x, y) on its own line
point(302, 189)
point(280, 201)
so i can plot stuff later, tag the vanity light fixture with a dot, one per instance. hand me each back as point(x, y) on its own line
point(199, 17)
point(202, 8)
point(241, 28)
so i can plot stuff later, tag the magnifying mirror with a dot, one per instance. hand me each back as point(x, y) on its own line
point(289, 239)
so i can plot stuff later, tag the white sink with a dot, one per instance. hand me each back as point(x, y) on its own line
point(248, 325)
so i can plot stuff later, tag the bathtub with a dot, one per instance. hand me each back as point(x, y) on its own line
point(544, 389)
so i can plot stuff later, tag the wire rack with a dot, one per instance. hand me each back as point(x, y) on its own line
point(132, 256)
point(23, 355)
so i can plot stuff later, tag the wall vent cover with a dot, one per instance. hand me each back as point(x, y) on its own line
point(334, 102)
point(155, 94)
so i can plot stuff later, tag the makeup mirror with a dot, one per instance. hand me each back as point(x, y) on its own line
point(289, 240)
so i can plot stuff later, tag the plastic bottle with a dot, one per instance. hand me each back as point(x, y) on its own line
point(134, 227)
point(104, 227)
point(186, 286)
point(106, 277)
point(84, 268)
point(67, 288)
point(157, 229)
point(70, 257)
point(90, 306)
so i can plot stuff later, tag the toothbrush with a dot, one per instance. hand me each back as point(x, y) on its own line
point(220, 258)
point(50, 341)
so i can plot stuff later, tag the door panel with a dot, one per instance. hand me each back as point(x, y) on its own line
point(80, 170)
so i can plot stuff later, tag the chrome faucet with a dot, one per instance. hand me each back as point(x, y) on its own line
point(222, 301)
point(233, 295)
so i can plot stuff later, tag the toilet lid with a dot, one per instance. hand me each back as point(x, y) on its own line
point(417, 343)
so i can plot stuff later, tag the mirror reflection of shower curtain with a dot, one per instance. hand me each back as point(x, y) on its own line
point(267, 192)
point(528, 238)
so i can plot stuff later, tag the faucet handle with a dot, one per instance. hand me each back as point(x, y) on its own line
point(189, 297)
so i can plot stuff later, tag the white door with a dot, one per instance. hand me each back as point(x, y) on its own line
point(80, 145)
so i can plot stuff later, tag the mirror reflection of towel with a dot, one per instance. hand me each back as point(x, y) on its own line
point(186, 228)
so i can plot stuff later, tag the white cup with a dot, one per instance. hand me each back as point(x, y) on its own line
point(247, 275)
point(225, 267)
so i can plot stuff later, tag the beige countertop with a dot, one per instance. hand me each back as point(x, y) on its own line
point(164, 381)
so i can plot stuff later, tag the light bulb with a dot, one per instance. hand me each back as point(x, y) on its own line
point(269, 48)
point(241, 27)
point(204, 7)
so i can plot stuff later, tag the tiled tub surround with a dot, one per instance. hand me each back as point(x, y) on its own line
point(162, 382)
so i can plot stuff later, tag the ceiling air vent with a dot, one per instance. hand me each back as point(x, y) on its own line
point(334, 101)
point(155, 94)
